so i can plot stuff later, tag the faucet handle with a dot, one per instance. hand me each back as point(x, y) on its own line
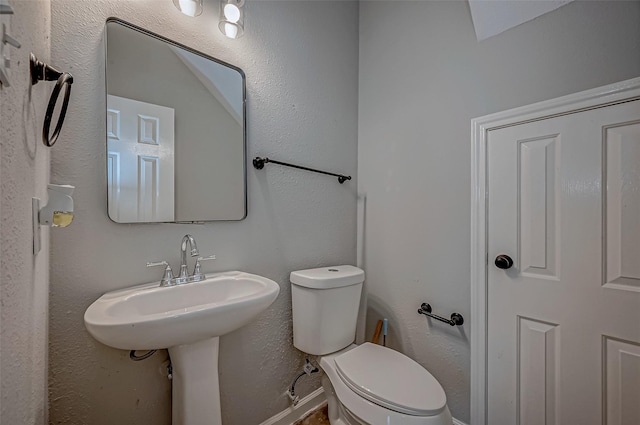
point(156, 263)
point(211, 257)
point(197, 274)
point(167, 279)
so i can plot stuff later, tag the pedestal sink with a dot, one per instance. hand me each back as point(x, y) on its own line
point(187, 319)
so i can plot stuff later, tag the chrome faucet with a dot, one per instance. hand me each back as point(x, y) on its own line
point(183, 255)
point(184, 277)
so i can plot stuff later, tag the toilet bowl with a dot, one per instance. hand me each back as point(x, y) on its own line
point(366, 384)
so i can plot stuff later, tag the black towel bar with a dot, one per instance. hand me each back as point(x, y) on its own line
point(258, 163)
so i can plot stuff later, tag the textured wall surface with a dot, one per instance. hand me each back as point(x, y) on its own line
point(300, 59)
point(24, 173)
point(423, 77)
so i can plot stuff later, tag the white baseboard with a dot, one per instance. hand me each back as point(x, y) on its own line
point(457, 422)
point(292, 414)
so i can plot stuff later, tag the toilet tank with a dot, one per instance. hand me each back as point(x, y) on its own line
point(325, 304)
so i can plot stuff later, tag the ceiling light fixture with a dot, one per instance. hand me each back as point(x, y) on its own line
point(189, 7)
point(232, 18)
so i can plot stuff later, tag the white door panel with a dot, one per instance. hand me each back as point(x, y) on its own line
point(141, 157)
point(564, 203)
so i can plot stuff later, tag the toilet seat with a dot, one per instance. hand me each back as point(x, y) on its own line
point(368, 411)
point(391, 379)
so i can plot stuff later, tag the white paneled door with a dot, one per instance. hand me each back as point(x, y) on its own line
point(141, 157)
point(563, 320)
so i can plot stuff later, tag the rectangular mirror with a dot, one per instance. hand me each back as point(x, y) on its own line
point(176, 131)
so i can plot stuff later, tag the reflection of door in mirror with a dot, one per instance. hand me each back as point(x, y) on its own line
point(140, 169)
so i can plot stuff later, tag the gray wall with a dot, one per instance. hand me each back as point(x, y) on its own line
point(423, 77)
point(300, 59)
point(24, 173)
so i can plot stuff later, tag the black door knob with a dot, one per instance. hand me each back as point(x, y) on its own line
point(504, 262)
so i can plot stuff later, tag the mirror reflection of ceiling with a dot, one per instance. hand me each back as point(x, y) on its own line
point(494, 17)
point(218, 80)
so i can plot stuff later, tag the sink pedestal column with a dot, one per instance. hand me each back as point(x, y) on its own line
point(196, 391)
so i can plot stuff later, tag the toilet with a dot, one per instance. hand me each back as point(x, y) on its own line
point(365, 384)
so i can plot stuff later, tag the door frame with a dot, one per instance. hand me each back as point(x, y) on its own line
point(579, 102)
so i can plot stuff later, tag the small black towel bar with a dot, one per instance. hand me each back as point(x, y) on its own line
point(258, 163)
point(456, 318)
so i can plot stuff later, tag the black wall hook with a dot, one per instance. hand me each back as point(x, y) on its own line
point(40, 71)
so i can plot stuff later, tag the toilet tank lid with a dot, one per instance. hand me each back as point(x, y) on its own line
point(328, 277)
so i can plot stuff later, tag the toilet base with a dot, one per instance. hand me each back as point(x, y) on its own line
point(337, 413)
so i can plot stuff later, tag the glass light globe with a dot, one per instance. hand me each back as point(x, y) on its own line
point(232, 12)
point(230, 30)
point(231, 18)
point(189, 7)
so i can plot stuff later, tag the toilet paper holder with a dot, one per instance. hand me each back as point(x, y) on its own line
point(456, 318)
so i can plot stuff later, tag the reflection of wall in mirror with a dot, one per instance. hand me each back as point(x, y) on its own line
point(140, 161)
point(209, 147)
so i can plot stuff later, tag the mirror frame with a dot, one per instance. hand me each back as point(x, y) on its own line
point(195, 52)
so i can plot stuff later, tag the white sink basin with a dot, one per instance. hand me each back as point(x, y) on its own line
point(148, 316)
